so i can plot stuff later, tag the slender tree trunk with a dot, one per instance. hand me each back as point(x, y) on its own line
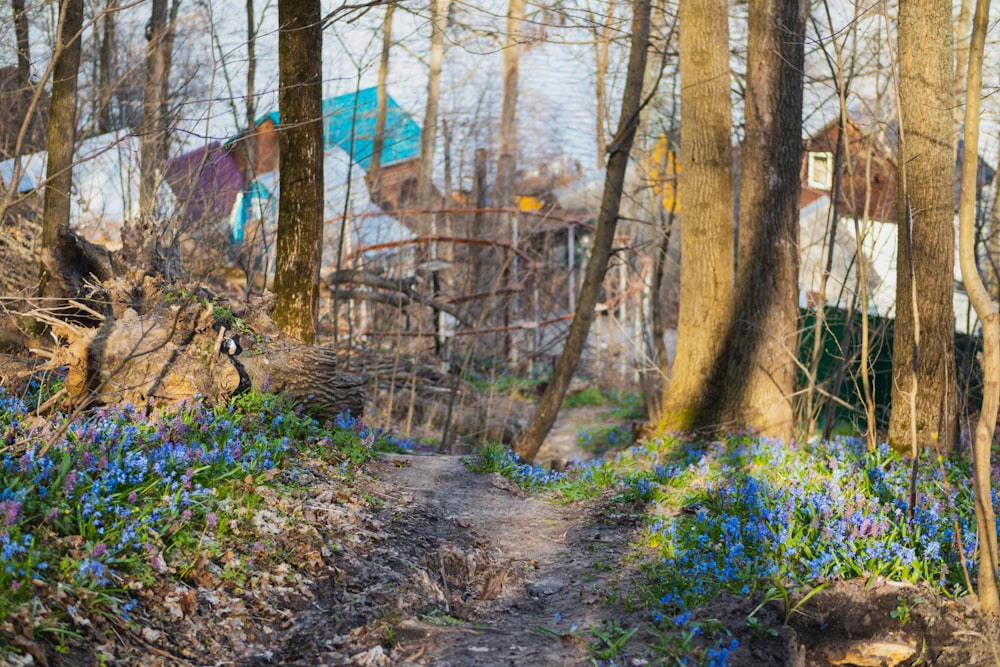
point(759, 366)
point(986, 523)
point(23, 41)
point(926, 93)
point(382, 108)
point(428, 136)
point(61, 137)
point(607, 221)
point(300, 207)
point(507, 163)
point(108, 68)
point(602, 47)
point(153, 122)
point(706, 188)
point(251, 74)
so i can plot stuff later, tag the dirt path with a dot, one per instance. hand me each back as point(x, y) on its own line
point(548, 567)
point(562, 443)
point(461, 569)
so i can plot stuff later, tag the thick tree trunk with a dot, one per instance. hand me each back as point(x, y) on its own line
point(61, 140)
point(151, 153)
point(706, 187)
point(300, 208)
point(759, 365)
point(607, 221)
point(926, 94)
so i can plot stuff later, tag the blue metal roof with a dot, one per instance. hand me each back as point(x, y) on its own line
point(402, 134)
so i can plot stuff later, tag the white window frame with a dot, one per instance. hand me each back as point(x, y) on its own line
point(820, 178)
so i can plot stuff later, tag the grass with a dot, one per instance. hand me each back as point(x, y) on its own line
point(764, 518)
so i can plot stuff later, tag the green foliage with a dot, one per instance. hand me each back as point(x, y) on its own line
point(902, 610)
point(589, 397)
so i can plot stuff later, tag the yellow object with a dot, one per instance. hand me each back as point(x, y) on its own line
point(663, 174)
point(529, 203)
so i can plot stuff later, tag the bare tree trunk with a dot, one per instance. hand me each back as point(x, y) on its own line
point(61, 140)
point(602, 46)
point(707, 238)
point(300, 208)
point(108, 68)
point(986, 523)
point(382, 109)
point(507, 162)
point(151, 153)
point(926, 93)
point(428, 136)
point(23, 41)
point(607, 221)
point(759, 365)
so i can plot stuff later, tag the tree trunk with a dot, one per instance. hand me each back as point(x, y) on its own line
point(986, 523)
point(151, 153)
point(963, 26)
point(758, 366)
point(108, 69)
point(927, 159)
point(382, 109)
point(607, 221)
point(428, 136)
point(300, 208)
point(707, 238)
point(22, 37)
point(507, 162)
point(61, 140)
point(602, 46)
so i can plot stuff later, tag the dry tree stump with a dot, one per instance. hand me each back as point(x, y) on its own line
point(159, 345)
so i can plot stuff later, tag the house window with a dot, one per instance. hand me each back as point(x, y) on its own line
point(820, 170)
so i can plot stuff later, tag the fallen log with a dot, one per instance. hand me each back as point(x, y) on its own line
point(159, 345)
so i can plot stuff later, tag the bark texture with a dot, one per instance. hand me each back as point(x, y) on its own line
point(61, 139)
point(159, 346)
point(758, 367)
point(300, 208)
point(607, 222)
point(926, 93)
point(151, 153)
point(707, 237)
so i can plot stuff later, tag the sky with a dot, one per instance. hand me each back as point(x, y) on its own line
point(556, 106)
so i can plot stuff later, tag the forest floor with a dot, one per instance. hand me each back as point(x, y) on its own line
point(426, 562)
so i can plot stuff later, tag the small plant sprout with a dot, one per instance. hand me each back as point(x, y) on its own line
point(779, 592)
point(902, 610)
